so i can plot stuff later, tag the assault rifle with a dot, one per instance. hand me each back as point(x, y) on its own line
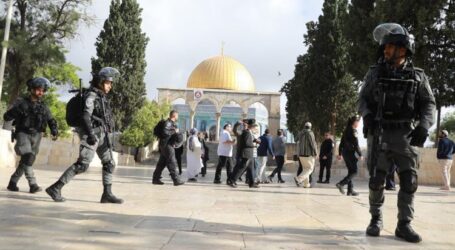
point(377, 130)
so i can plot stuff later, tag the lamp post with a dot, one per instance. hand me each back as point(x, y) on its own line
point(5, 44)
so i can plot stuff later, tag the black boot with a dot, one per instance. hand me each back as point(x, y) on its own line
point(109, 197)
point(157, 182)
point(12, 186)
point(340, 188)
point(178, 182)
point(34, 188)
point(405, 231)
point(54, 191)
point(375, 227)
point(351, 191)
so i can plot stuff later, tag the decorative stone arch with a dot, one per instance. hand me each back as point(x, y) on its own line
point(220, 98)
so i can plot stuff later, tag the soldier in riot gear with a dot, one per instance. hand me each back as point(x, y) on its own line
point(96, 124)
point(397, 106)
point(31, 116)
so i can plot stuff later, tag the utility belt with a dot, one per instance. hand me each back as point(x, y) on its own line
point(30, 131)
point(397, 125)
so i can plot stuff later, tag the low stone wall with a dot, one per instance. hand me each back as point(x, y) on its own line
point(429, 171)
point(58, 154)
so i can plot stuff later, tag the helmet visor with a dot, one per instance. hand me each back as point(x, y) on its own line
point(109, 73)
point(385, 30)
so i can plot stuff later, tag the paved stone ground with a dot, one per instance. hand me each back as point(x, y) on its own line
point(207, 216)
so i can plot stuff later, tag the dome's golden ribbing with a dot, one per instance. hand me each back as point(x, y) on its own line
point(221, 72)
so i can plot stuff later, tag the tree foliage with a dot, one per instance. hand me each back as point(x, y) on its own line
point(447, 123)
point(38, 31)
point(121, 44)
point(431, 22)
point(322, 91)
point(58, 110)
point(140, 132)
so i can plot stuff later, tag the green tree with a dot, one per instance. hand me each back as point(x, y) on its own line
point(321, 80)
point(431, 22)
point(358, 29)
point(140, 132)
point(447, 123)
point(121, 44)
point(38, 31)
point(58, 110)
point(2, 110)
point(440, 63)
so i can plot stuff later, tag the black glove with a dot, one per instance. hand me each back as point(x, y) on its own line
point(54, 133)
point(418, 136)
point(368, 123)
point(91, 139)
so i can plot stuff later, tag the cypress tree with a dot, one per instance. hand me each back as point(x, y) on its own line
point(121, 44)
point(322, 91)
point(358, 31)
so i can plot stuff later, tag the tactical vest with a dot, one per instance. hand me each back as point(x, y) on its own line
point(98, 113)
point(34, 117)
point(400, 96)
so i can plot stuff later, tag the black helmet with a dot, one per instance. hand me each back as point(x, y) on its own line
point(38, 82)
point(393, 33)
point(105, 74)
point(108, 74)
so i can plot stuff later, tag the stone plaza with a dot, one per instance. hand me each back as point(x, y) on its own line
point(203, 215)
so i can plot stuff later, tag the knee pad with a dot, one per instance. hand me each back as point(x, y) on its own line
point(408, 182)
point(377, 182)
point(28, 159)
point(109, 167)
point(80, 167)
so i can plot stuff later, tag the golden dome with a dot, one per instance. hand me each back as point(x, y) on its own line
point(221, 72)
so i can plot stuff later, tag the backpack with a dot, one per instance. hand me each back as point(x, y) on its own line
point(74, 110)
point(159, 129)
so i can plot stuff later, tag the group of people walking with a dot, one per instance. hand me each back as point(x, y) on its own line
point(395, 102)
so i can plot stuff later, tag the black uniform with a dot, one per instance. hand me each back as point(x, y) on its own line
point(327, 152)
point(30, 120)
point(348, 148)
point(246, 151)
point(167, 153)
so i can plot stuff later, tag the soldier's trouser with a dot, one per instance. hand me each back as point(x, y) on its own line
point(396, 151)
point(86, 154)
point(27, 146)
point(167, 158)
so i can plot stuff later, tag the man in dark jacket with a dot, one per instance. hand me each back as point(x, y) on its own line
point(31, 117)
point(167, 151)
point(264, 149)
point(446, 148)
point(245, 151)
point(325, 158)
